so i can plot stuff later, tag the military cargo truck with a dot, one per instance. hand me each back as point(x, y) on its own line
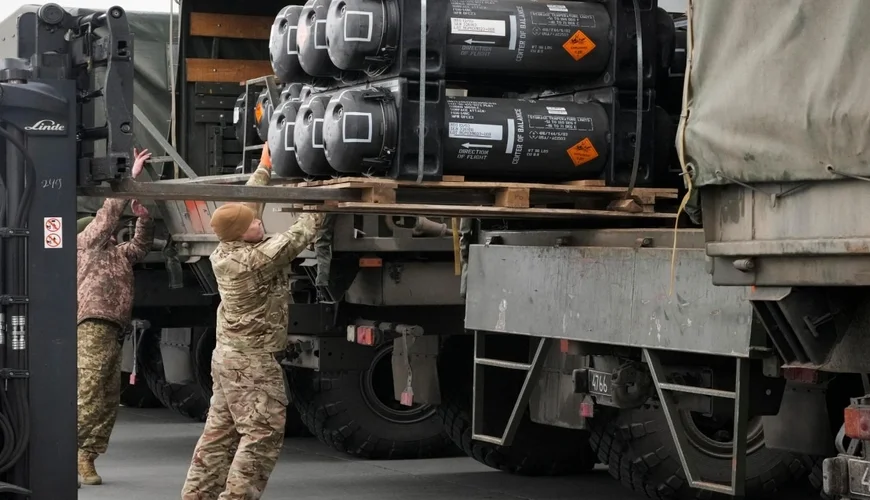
point(779, 180)
point(612, 343)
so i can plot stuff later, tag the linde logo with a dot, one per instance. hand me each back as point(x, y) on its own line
point(46, 126)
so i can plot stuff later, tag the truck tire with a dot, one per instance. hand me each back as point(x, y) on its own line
point(639, 452)
point(138, 395)
point(537, 450)
point(354, 412)
point(203, 347)
point(187, 399)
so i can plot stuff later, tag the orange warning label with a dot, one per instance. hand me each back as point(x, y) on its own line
point(582, 152)
point(258, 112)
point(579, 45)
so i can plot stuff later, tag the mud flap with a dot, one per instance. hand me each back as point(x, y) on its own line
point(422, 359)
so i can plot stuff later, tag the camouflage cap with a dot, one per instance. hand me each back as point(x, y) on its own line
point(82, 223)
point(230, 221)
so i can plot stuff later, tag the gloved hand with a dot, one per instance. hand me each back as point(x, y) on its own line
point(266, 156)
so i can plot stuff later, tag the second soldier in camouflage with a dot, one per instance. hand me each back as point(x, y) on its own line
point(244, 432)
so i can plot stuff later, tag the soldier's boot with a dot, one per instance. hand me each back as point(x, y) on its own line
point(87, 470)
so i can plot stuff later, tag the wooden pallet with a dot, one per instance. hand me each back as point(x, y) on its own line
point(492, 199)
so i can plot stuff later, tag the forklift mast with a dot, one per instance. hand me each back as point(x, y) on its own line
point(66, 114)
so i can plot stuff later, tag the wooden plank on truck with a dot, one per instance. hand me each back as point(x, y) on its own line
point(435, 198)
point(230, 26)
point(225, 70)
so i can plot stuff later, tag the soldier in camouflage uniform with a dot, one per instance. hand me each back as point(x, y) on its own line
point(105, 303)
point(245, 428)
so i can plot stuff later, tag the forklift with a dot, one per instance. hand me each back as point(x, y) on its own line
point(66, 118)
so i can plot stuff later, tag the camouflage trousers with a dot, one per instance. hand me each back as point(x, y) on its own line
point(99, 383)
point(244, 431)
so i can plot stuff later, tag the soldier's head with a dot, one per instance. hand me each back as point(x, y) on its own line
point(237, 222)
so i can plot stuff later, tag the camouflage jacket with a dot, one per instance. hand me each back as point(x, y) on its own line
point(105, 270)
point(254, 285)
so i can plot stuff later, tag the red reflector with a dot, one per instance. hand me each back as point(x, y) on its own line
point(564, 345)
point(858, 422)
point(803, 375)
point(587, 407)
point(365, 335)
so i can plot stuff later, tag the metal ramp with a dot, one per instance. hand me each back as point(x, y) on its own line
point(740, 396)
point(532, 369)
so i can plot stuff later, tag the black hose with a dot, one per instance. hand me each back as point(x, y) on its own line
point(30, 180)
point(2, 198)
point(8, 432)
point(15, 414)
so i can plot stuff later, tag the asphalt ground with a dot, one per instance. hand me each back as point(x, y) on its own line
point(150, 452)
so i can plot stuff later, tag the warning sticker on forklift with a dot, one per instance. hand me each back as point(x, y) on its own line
point(557, 8)
point(582, 152)
point(53, 232)
point(579, 45)
point(485, 27)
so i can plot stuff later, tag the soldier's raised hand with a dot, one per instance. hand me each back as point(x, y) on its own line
point(139, 209)
point(139, 164)
point(266, 156)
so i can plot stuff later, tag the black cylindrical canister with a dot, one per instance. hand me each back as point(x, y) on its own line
point(292, 91)
point(525, 37)
point(308, 137)
point(311, 40)
point(516, 37)
point(546, 140)
point(263, 114)
point(240, 120)
point(281, 140)
point(283, 51)
point(306, 92)
point(361, 31)
point(360, 130)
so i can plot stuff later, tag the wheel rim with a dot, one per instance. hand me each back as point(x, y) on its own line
point(714, 438)
point(377, 391)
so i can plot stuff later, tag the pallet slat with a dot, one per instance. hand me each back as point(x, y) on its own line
point(570, 188)
point(512, 197)
point(230, 26)
point(474, 211)
point(225, 70)
point(444, 198)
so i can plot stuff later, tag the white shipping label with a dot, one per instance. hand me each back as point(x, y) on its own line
point(484, 27)
point(557, 8)
point(476, 131)
point(557, 111)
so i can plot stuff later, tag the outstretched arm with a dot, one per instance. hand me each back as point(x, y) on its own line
point(137, 248)
point(261, 177)
point(277, 252)
point(100, 229)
